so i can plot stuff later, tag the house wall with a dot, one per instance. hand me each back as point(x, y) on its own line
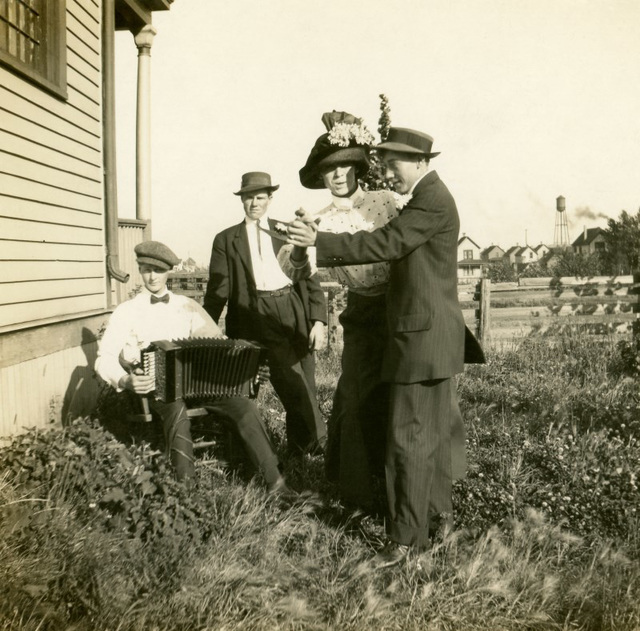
point(52, 227)
point(51, 188)
point(495, 254)
point(591, 247)
point(467, 244)
point(471, 271)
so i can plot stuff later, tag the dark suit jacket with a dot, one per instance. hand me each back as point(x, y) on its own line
point(427, 331)
point(231, 282)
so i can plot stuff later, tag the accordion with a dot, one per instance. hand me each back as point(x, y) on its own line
point(203, 368)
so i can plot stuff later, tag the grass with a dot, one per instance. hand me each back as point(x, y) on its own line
point(96, 535)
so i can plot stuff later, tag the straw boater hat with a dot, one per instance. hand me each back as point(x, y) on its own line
point(256, 181)
point(346, 140)
point(405, 140)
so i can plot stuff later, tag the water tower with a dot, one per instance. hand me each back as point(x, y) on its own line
point(561, 232)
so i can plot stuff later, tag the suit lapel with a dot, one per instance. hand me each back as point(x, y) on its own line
point(241, 246)
point(276, 244)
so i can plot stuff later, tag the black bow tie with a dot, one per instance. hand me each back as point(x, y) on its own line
point(155, 300)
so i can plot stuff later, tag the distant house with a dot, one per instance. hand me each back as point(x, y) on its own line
point(552, 258)
point(492, 253)
point(527, 255)
point(590, 241)
point(470, 262)
point(188, 265)
point(513, 255)
point(541, 250)
point(519, 256)
point(62, 254)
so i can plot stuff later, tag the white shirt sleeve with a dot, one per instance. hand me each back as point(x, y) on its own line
point(115, 340)
point(202, 324)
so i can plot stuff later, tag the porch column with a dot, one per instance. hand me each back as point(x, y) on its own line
point(144, 40)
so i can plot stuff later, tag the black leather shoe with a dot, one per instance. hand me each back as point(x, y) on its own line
point(392, 554)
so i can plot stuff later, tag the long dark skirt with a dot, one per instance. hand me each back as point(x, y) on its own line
point(357, 427)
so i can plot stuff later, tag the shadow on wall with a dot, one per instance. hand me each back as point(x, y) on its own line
point(82, 392)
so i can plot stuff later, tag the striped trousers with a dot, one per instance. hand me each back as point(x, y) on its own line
point(425, 452)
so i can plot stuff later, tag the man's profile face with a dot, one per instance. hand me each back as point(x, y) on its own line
point(255, 204)
point(402, 169)
point(154, 278)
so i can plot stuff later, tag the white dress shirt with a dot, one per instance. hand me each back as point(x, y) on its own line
point(266, 270)
point(136, 323)
point(361, 211)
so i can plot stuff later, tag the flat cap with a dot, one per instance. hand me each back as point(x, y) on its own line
point(156, 253)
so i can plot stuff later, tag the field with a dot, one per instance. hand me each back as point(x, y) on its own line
point(95, 535)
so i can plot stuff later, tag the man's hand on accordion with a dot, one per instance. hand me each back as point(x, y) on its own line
point(138, 382)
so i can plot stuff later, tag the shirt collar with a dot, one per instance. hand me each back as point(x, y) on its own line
point(264, 220)
point(347, 203)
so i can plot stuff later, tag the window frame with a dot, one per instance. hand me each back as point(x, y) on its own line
point(55, 40)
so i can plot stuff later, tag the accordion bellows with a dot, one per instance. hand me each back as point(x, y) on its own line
point(203, 368)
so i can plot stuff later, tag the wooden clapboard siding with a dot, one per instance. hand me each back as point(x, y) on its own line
point(88, 10)
point(52, 225)
point(26, 312)
point(47, 155)
point(19, 187)
point(28, 137)
point(20, 293)
point(40, 117)
point(51, 176)
point(45, 252)
point(83, 24)
point(21, 271)
point(45, 232)
point(83, 59)
point(54, 375)
point(38, 211)
point(82, 93)
point(65, 110)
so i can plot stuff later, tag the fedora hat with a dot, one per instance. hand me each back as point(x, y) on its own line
point(347, 141)
point(406, 140)
point(256, 181)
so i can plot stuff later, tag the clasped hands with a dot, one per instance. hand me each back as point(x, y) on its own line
point(303, 230)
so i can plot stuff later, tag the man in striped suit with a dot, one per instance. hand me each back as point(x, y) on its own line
point(426, 346)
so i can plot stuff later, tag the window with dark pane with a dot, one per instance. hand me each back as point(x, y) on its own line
point(33, 41)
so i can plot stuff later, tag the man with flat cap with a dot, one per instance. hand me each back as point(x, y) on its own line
point(264, 305)
point(426, 343)
point(158, 314)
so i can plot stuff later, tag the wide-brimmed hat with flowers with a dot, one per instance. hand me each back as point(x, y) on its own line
point(347, 141)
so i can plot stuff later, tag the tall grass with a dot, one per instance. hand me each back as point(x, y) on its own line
point(94, 534)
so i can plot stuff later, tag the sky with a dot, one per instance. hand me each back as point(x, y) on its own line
point(526, 101)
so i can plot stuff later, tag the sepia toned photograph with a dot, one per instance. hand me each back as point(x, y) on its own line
point(319, 316)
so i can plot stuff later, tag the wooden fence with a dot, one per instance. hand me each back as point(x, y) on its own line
point(546, 306)
point(505, 312)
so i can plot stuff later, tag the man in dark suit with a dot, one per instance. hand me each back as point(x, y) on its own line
point(426, 344)
point(266, 306)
